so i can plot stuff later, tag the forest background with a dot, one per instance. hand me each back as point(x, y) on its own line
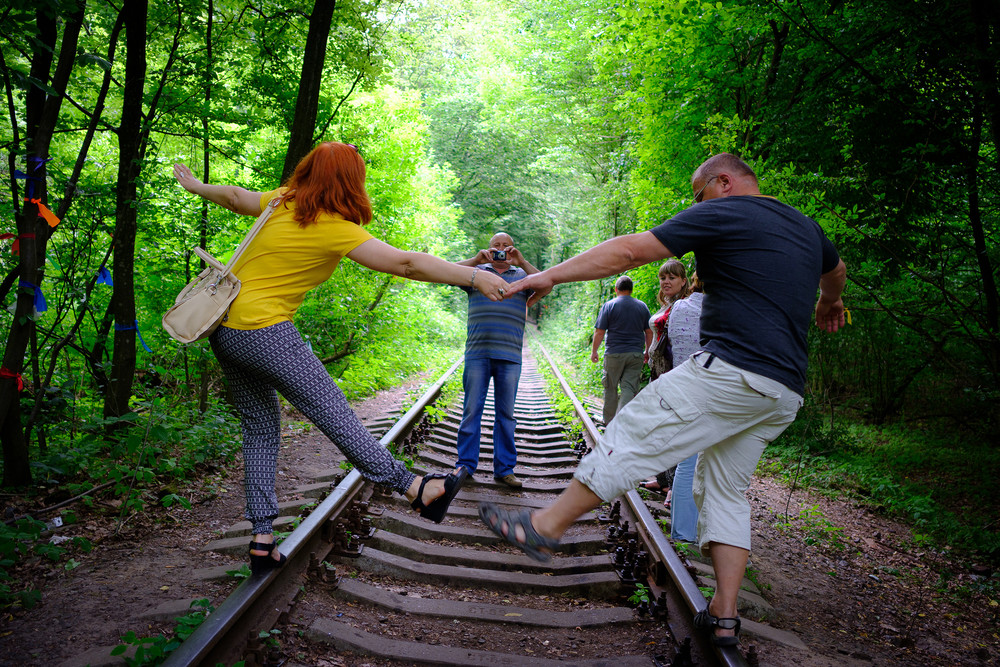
point(563, 125)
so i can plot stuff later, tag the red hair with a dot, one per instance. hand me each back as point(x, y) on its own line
point(331, 179)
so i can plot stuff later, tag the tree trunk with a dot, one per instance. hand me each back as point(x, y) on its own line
point(203, 363)
point(41, 113)
point(306, 105)
point(986, 17)
point(116, 400)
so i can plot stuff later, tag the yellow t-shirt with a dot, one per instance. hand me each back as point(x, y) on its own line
point(284, 261)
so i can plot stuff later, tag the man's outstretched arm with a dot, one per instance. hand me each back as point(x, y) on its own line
point(610, 258)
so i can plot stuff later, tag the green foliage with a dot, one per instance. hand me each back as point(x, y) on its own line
point(685, 549)
point(270, 637)
point(817, 528)
point(753, 576)
point(172, 498)
point(918, 475)
point(141, 449)
point(154, 650)
point(641, 595)
point(135, 453)
point(28, 538)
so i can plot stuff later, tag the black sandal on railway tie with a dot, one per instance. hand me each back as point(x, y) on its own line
point(437, 508)
point(264, 564)
point(705, 621)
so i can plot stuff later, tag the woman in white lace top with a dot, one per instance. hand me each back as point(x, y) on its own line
point(684, 332)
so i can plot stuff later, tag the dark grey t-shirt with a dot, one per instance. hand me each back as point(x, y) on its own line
point(760, 262)
point(625, 319)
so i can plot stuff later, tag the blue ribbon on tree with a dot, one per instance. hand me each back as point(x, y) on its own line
point(104, 276)
point(29, 186)
point(133, 326)
point(40, 305)
point(34, 162)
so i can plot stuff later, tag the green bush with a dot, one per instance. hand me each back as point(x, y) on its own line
point(919, 475)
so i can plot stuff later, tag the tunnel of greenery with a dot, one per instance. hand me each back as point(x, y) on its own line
point(562, 124)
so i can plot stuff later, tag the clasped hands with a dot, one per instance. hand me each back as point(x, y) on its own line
point(537, 282)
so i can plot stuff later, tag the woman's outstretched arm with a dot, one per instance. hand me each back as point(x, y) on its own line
point(237, 200)
point(383, 257)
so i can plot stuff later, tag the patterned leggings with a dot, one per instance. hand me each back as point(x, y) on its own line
point(261, 362)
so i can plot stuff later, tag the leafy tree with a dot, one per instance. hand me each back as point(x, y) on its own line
point(41, 103)
point(203, 84)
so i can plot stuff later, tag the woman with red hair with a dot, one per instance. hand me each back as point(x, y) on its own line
point(320, 219)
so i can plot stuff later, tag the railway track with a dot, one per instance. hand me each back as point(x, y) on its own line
point(371, 582)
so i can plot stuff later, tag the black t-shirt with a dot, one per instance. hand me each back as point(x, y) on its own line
point(760, 262)
point(625, 319)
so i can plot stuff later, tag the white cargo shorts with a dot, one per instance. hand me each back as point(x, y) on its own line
point(704, 405)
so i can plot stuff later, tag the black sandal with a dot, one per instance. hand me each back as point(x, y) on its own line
point(705, 621)
point(263, 564)
point(437, 508)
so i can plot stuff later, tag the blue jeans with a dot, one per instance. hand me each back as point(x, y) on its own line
point(476, 382)
point(683, 510)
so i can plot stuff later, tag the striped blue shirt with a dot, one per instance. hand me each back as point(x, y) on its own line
point(496, 328)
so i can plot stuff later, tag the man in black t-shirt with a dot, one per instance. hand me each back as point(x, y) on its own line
point(760, 262)
point(623, 325)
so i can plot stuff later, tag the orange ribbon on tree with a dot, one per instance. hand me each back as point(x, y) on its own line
point(44, 211)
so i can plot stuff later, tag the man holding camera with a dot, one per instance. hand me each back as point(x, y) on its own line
point(493, 350)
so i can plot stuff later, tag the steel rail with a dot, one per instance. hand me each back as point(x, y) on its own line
point(656, 541)
point(254, 600)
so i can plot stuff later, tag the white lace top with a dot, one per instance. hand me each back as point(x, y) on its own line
point(683, 327)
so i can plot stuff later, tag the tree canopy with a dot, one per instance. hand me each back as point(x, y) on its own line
point(563, 125)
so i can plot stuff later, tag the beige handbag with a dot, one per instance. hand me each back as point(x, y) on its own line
point(204, 303)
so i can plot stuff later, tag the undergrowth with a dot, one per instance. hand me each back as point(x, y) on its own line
point(940, 484)
point(117, 467)
point(154, 650)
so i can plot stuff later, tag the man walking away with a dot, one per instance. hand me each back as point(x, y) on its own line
point(623, 325)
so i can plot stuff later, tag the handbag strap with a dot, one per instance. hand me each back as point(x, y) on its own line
point(264, 215)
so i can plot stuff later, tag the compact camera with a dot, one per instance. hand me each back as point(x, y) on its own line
point(499, 255)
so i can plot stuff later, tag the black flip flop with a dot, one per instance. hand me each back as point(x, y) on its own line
point(437, 508)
